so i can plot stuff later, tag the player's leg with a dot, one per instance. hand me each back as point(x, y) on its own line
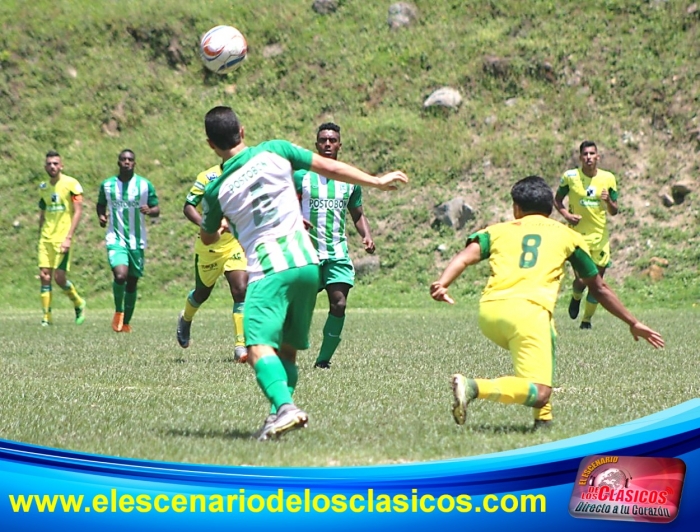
point(136, 264)
point(288, 357)
point(118, 258)
point(578, 287)
point(591, 305)
point(338, 277)
point(46, 257)
point(69, 290)
point(205, 276)
point(237, 277)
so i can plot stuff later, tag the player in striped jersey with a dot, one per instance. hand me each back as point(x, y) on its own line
point(323, 205)
point(123, 203)
point(527, 259)
point(255, 195)
point(60, 209)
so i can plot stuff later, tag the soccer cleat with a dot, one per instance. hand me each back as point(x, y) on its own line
point(261, 433)
point(118, 321)
point(45, 322)
point(240, 354)
point(574, 306)
point(183, 330)
point(126, 328)
point(464, 391)
point(324, 364)
point(542, 424)
point(80, 313)
point(585, 325)
point(289, 417)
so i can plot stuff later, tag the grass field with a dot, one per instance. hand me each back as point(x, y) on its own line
point(386, 400)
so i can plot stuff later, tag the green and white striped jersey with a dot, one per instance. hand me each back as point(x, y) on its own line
point(324, 203)
point(126, 225)
point(256, 194)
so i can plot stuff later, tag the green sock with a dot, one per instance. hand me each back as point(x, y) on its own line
point(272, 379)
point(118, 291)
point(129, 305)
point(331, 337)
point(292, 377)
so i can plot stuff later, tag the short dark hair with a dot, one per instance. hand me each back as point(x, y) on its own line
point(127, 150)
point(586, 144)
point(328, 126)
point(52, 153)
point(223, 127)
point(533, 195)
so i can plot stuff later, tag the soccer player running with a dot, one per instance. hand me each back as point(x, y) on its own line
point(592, 195)
point(527, 259)
point(210, 262)
point(323, 205)
point(123, 203)
point(60, 209)
point(256, 195)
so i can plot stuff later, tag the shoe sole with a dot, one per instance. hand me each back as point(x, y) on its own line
point(81, 319)
point(459, 407)
point(300, 421)
point(186, 344)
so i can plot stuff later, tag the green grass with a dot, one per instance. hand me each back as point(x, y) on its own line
point(386, 400)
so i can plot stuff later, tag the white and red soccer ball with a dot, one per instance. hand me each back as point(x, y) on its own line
point(223, 49)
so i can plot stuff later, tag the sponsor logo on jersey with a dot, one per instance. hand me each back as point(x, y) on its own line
point(126, 204)
point(588, 202)
point(590, 191)
point(243, 176)
point(54, 198)
point(212, 175)
point(330, 204)
point(56, 208)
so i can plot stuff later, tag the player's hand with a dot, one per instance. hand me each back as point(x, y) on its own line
point(224, 226)
point(369, 245)
point(573, 219)
point(392, 180)
point(103, 220)
point(439, 293)
point(605, 195)
point(65, 246)
point(307, 224)
point(639, 330)
point(145, 209)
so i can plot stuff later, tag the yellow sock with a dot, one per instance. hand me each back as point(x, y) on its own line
point(589, 310)
point(508, 390)
point(72, 294)
point(190, 308)
point(238, 324)
point(46, 301)
point(577, 295)
point(544, 413)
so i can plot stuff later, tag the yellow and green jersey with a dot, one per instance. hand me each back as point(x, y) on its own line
point(584, 200)
point(194, 197)
point(57, 203)
point(527, 259)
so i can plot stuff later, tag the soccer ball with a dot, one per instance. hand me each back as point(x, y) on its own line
point(223, 49)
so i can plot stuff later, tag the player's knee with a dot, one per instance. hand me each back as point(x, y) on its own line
point(337, 307)
point(119, 277)
point(60, 277)
point(238, 292)
point(543, 395)
point(45, 276)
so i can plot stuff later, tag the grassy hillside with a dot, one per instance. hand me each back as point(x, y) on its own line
point(90, 78)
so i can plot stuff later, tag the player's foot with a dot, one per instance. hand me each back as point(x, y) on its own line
point(240, 354)
point(464, 391)
point(45, 322)
point(574, 306)
point(323, 364)
point(80, 313)
point(118, 321)
point(585, 325)
point(289, 417)
point(260, 433)
point(126, 328)
point(183, 330)
point(542, 424)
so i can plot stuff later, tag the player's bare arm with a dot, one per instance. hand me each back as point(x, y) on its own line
point(606, 297)
point(75, 221)
point(610, 204)
point(42, 218)
point(102, 214)
point(192, 214)
point(153, 212)
point(571, 219)
point(469, 256)
point(362, 226)
point(340, 171)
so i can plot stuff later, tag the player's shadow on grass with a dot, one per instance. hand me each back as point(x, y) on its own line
point(229, 434)
point(503, 429)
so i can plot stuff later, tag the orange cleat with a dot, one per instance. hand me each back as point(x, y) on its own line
point(126, 328)
point(118, 322)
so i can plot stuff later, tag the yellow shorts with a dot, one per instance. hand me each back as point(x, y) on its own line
point(527, 331)
point(601, 254)
point(212, 261)
point(50, 256)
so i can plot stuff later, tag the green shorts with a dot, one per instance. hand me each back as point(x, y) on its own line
point(337, 271)
point(280, 306)
point(121, 256)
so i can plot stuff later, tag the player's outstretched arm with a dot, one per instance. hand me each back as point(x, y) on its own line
point(341, 171)
point(467, 257)
point(606, 297)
